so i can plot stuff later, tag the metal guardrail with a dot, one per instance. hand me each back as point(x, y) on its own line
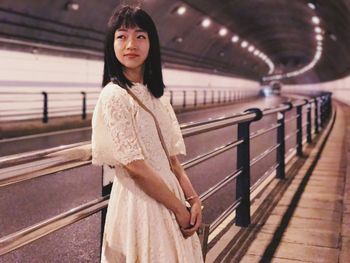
point(79, 155)
point(184, 97)
point(42, 104)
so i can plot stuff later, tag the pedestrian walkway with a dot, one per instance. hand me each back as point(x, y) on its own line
point(310, 221)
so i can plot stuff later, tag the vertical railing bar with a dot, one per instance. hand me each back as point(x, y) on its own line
point(299, 131)
point(45, 107)
point(83, 115)
point(243, 162)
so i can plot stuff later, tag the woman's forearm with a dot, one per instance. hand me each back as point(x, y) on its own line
point(183, 179)
point(151, 183)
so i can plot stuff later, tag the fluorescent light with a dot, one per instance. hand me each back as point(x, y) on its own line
point(244, 44)
point(206, 22)
point(235, 39)
point(179, 39)
point(181, 10)
point(72, 6)
point(223, 32)
point(251, 49)
point(333, 37)
point(318, 30)
point(315, 20)
point(319, 37)
point(312, 6)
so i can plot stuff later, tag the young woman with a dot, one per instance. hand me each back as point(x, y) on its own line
point(147, 220)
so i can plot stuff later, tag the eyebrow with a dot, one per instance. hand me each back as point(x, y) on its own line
point(125, 30)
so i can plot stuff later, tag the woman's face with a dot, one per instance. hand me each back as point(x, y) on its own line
point(131, 46)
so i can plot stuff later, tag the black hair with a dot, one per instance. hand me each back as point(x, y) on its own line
point(113, 70)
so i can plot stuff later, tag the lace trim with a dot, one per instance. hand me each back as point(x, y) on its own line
point(118, 116)
point(177, 141)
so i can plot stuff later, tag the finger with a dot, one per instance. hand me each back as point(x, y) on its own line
point(193, 218)
point(187, 234)
point(189, 231)
point(199, 220)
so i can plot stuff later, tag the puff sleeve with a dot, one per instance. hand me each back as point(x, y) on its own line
point(119, 119)
point(177, 144)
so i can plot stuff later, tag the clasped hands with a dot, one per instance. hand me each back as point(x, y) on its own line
point(190, 220)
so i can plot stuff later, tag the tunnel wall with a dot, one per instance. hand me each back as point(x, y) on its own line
point(340, 88)
point(37, 72)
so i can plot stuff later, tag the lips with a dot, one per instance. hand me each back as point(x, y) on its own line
point(131, 55)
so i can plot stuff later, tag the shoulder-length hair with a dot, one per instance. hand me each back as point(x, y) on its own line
point(130, 17)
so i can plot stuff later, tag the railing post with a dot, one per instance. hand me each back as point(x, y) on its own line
point(325, 108)
point(316, 116)
point(184, 101)
point(308, 124)
point(171, 98)
point(299, 131)
point(45, 107)
point(219, 101)
point(212, 97)
point(195, 98)
point(243, 162)
point(329, 105)
point(321, 112)
point(280, 171)
point(83, 115)
point(106, 190)
point(205, 97)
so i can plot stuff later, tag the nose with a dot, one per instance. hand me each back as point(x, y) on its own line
point(131, 44)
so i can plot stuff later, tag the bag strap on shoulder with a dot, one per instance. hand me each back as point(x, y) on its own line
point(157, 125)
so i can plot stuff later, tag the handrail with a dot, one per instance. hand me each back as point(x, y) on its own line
point(214, 225)
point(263, 154)
point(263, 131)
point(215, 188)
point(229, 95)
point(291, 119)
point(263, 177)
point(51, 168)
point(201, 158)
point(32, 233)
point(25, 236)
point(275, 110)
point(291, 135)
point(222, 122)
point(21, 157)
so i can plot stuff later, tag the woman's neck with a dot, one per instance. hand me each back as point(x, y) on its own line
point(134, 75)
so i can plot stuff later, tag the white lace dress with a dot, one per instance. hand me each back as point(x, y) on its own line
point(138, 228)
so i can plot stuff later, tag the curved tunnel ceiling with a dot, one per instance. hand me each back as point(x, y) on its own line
point(281, 29)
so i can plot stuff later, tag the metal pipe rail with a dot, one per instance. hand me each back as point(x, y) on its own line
point(201, 158)
point(22, 157)
point(215, 188)
point(198, 128)
point(44, 228)
point(44, 111)
point(263, 154)
point(263, 177)
point(193, 96)
point(263, 131)
point(241, 175)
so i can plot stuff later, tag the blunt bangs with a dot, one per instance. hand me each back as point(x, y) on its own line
point(131, 17)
